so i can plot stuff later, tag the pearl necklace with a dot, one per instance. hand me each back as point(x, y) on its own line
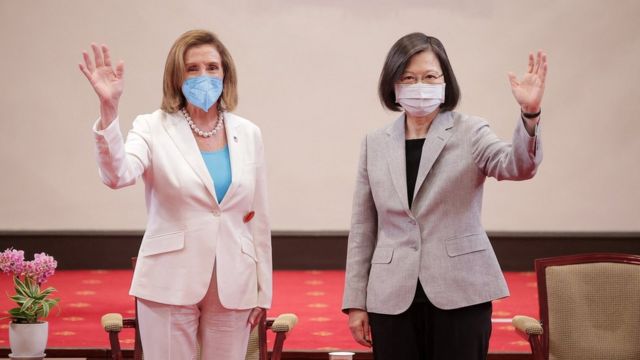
point(197, 130)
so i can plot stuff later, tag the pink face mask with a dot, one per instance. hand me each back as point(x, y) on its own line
point(420, 99)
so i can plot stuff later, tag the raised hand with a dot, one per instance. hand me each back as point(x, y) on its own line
point(529, 90)
point(107, 82)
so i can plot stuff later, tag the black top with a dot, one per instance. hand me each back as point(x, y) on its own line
point(413, 151)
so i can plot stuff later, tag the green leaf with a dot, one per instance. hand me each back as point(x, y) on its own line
point(19, 299)
point(21, 288)
point(18, 315)
point(34, 289)
point(45, 309)
point(27, 304)
point(47, 291)
point(27, 287)
point(52, 302)
point(15, 312)
point(22, 292)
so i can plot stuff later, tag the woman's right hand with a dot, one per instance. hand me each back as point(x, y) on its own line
point(359, 326)
point(106, 82)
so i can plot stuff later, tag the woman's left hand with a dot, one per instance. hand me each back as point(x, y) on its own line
point(254, 316)
point(529, 90)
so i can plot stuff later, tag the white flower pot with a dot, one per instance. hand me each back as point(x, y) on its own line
point(28, 340)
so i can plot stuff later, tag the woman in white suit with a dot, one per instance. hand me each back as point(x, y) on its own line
point(203, 273)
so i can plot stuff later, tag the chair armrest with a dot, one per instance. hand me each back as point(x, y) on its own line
point(527, 325)
point(112, 322)
point(284, 323)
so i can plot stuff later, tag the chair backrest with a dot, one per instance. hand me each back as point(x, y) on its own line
point(590, 306)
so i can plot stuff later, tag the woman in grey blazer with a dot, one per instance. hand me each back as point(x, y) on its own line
point(421, 272)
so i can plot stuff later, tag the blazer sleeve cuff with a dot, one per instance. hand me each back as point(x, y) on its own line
point(264, 302)
point(354, 299)
point(533, 142)
point(110, 134)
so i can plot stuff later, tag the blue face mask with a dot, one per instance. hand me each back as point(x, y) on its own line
point(202, 91)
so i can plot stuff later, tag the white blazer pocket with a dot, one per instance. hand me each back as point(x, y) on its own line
point(162, 243)
point(248, 248)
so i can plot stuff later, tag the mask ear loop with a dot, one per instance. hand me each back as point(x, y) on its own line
point(220, 106)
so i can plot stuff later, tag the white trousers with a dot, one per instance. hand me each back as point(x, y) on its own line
point(172, 332)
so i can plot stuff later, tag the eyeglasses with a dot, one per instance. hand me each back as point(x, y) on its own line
point(425, 79)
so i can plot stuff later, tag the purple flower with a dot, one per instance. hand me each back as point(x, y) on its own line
point(41, 268)
point(12, 261)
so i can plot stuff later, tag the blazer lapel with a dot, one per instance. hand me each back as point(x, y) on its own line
point(436, 138)
point(181, 134)
point(235, 142)
point(397, 160)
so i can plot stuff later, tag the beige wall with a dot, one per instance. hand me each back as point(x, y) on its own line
point(308, 71)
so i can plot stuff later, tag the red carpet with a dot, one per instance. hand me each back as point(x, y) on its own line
point(315, 296)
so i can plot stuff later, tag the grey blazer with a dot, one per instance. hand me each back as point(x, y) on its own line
point(440, 240)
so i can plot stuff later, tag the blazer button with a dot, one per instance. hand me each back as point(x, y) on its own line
point(216, 212)
point(412, 222)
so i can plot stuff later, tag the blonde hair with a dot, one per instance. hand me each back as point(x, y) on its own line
point(172, 97)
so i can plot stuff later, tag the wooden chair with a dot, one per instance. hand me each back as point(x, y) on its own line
point(589, 308)
point(113, 323)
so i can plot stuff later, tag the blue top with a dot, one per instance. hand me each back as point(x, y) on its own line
point(219, 166)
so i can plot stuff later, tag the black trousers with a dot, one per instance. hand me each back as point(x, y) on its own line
point(424, 332)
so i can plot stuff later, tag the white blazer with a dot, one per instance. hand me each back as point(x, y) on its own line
point(188, 229)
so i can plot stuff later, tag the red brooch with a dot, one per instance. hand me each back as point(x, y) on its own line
point(248, 216)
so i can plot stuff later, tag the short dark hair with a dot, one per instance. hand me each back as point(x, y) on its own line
point(397, 60)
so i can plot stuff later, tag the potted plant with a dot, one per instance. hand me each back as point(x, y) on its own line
point(28, 331)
